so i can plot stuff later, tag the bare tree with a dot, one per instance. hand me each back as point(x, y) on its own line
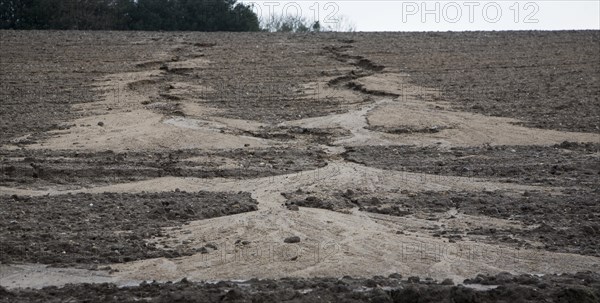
point(342, 24)
point(297, 24)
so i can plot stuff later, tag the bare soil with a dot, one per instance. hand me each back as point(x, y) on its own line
point(568, 164)
point(547, 79)
point(132, 156)
point(581, 287)
point(533, 76)
point(566, 222)
point(76, 169)
point(91, 229)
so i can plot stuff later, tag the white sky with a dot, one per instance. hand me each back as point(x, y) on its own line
point(390, 15)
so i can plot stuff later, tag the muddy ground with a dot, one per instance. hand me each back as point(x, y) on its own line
point(140, 156)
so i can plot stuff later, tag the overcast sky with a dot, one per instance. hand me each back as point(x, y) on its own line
point(441, 15)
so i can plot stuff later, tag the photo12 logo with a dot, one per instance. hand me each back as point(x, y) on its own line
point(469, 11)
point(327, 11)
point(301, 16)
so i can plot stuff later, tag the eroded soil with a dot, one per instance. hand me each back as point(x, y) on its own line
point(524, 75)
point(565, 222)
point(134, 156)
point(76, 169)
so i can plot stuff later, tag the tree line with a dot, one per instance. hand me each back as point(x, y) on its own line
point(167, 15)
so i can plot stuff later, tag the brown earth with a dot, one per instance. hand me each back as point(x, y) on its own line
point(150, 153)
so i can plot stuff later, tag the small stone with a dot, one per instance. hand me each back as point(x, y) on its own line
point(447, 282)
point(293, 207)
point(395, 276)
point(100, 123)
point(211, 245)
point(311, 199)
point(203, 250)
point(292, 239)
